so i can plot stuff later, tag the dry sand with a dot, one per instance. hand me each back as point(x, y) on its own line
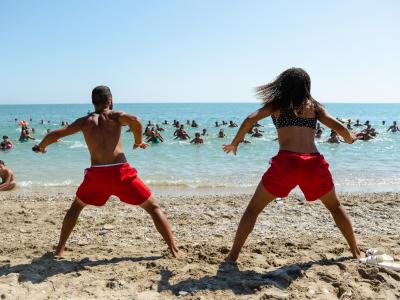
point(295, 251)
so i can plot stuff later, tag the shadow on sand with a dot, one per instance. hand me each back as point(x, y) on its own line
point(46, 266)
point(229, 277)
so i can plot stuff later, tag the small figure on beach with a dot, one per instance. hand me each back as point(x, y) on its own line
point(7, 178)
point(110, 173)
point(394, 127)
point(294, 113)
point(197, 139)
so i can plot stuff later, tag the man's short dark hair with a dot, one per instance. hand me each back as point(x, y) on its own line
point(101, 94)
point(5, 137)
point(2, 163)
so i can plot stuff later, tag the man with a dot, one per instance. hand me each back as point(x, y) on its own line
point(110, 173)
point(7, 178)
point(394, 127)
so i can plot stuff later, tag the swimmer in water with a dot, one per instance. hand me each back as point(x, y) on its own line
point(155, 137)
point(221, 134)
point(194, 124)
point(243, 141)
point(370, 131)
point(231, 124)
point(6, 144)
point(357, 124)
point(224, 123)
point(394, 127)
point(204, 133)
point(197, 139)
point(7, 178)
point(334, 138)
point(25, 136)
point(318, 133)
point(216, 124)
point(366, 123)
point(159, 128)
point(256, 133)
point(165, 122)
point(256, 124)
point(179, 130)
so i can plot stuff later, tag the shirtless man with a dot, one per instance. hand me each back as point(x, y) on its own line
point(110, 173)
point(394, 127)
point(7, 178)
point(197, 139)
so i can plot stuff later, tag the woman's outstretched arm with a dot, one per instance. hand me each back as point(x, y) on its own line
point(245, 127)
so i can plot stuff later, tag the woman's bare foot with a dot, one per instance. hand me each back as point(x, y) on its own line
point(231, 258)
point(59, 251)
point(358, 254)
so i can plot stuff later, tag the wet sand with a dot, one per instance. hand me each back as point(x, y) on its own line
point(294, 252)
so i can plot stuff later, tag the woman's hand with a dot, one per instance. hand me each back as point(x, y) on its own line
point(229, 148)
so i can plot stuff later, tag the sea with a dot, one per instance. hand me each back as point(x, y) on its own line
point(365, 166)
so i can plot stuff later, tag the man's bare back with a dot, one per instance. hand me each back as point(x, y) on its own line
point(110, 173)
point(102, 133)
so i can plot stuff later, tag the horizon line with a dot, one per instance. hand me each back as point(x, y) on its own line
point(204, 102)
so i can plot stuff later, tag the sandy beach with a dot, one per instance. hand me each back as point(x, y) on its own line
point(295, 251)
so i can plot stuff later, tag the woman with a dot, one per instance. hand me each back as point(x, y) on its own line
point(288, 101)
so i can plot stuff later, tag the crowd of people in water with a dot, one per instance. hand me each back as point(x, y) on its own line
point(152, 132)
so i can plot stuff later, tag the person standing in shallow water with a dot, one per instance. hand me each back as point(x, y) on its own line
point(110, 173)
point(295, 113)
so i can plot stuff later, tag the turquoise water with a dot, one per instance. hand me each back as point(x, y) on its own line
point(363, 166)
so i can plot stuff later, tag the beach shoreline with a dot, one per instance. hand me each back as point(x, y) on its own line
point(295, 251)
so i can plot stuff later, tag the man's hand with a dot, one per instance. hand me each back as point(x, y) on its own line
point(142, 145)
point(38, 149)
point(229, 148)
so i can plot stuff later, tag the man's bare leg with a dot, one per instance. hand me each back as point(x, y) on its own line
point(260, 199)
point(68, 224)
point(161, 223)
point(342, 221)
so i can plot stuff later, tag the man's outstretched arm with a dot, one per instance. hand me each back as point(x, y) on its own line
point(135, 127)
point(55, 135)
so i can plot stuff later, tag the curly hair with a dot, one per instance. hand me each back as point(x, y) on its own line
point(289, 92)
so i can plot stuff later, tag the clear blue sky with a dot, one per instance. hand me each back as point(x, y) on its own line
point(185, 51)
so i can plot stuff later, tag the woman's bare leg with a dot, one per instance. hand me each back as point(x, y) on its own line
point(260, 199)
point(162, 224)
point(68, 224)
point(342, 221)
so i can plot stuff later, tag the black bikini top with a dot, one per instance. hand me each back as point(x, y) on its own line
point(288, 121)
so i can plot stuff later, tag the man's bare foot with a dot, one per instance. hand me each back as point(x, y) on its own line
point(177, 253)
point(59, 251)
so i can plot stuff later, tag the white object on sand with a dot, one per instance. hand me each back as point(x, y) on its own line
point(373, 251)
point(382, 260)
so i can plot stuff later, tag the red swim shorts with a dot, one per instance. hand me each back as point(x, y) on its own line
point(120, 180)
point(289, 169)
